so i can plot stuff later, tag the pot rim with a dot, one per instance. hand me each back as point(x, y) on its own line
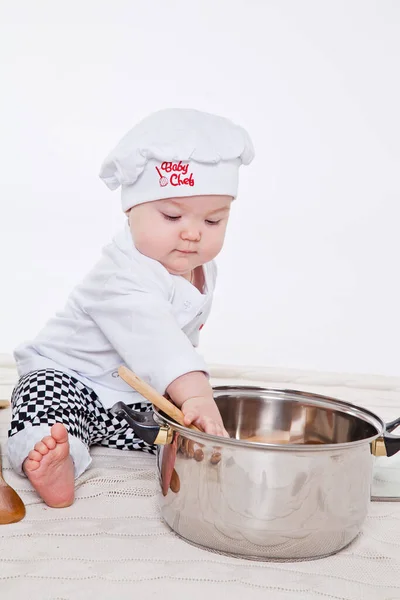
point(285, 394)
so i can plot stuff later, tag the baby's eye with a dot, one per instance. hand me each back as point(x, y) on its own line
point(212, 222)
point(169, 217)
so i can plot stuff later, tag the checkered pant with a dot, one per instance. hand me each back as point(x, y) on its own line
point(47, 396)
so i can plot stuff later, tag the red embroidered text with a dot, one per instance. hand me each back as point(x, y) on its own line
point(177, 174)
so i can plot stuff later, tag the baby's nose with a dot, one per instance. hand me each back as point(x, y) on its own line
point(193, 234)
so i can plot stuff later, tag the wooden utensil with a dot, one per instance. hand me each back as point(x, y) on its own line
point(12, 509)
point(153, 396)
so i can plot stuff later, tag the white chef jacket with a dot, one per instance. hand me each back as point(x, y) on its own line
point(127, 311)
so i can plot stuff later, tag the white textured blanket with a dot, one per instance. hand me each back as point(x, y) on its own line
point(112, 543)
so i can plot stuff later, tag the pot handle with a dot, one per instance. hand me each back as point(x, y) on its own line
point(143, 424)
point(392, 425)
point(388, 444)
point(392, 442)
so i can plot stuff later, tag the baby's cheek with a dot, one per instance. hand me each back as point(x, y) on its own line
point(156, 239)
point(216, 243)
point(148, 245)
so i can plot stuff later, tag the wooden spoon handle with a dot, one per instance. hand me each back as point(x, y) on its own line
point(12, 509)
point(153, 396)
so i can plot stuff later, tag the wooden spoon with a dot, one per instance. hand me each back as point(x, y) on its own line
point(12, 509)
point(153, 396)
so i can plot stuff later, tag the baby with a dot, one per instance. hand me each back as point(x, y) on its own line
point(142, 305)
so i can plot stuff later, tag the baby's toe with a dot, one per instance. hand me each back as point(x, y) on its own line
point(35, 455)
point(41, 447)
point(49, 442)
point(59, 433)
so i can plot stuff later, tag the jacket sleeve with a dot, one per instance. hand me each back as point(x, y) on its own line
point(142, 329)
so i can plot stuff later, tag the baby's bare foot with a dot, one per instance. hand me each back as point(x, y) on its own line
point(50, 469)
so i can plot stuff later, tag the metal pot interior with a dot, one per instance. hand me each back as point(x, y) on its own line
point(291, 417)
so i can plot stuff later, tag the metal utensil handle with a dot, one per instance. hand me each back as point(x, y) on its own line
point(153, 396)
point(142, 423)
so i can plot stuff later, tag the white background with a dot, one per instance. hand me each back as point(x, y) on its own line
point(309, 273)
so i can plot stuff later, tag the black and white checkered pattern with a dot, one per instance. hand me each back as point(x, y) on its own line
point(48, 396)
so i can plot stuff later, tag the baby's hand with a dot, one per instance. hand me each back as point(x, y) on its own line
point(193, 394)
point(204, 413)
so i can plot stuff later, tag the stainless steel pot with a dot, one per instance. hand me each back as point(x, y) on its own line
point(292, 483)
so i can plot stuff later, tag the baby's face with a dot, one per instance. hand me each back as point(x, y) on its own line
point(181, 233)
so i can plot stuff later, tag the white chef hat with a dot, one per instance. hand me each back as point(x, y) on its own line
point(177, 152)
